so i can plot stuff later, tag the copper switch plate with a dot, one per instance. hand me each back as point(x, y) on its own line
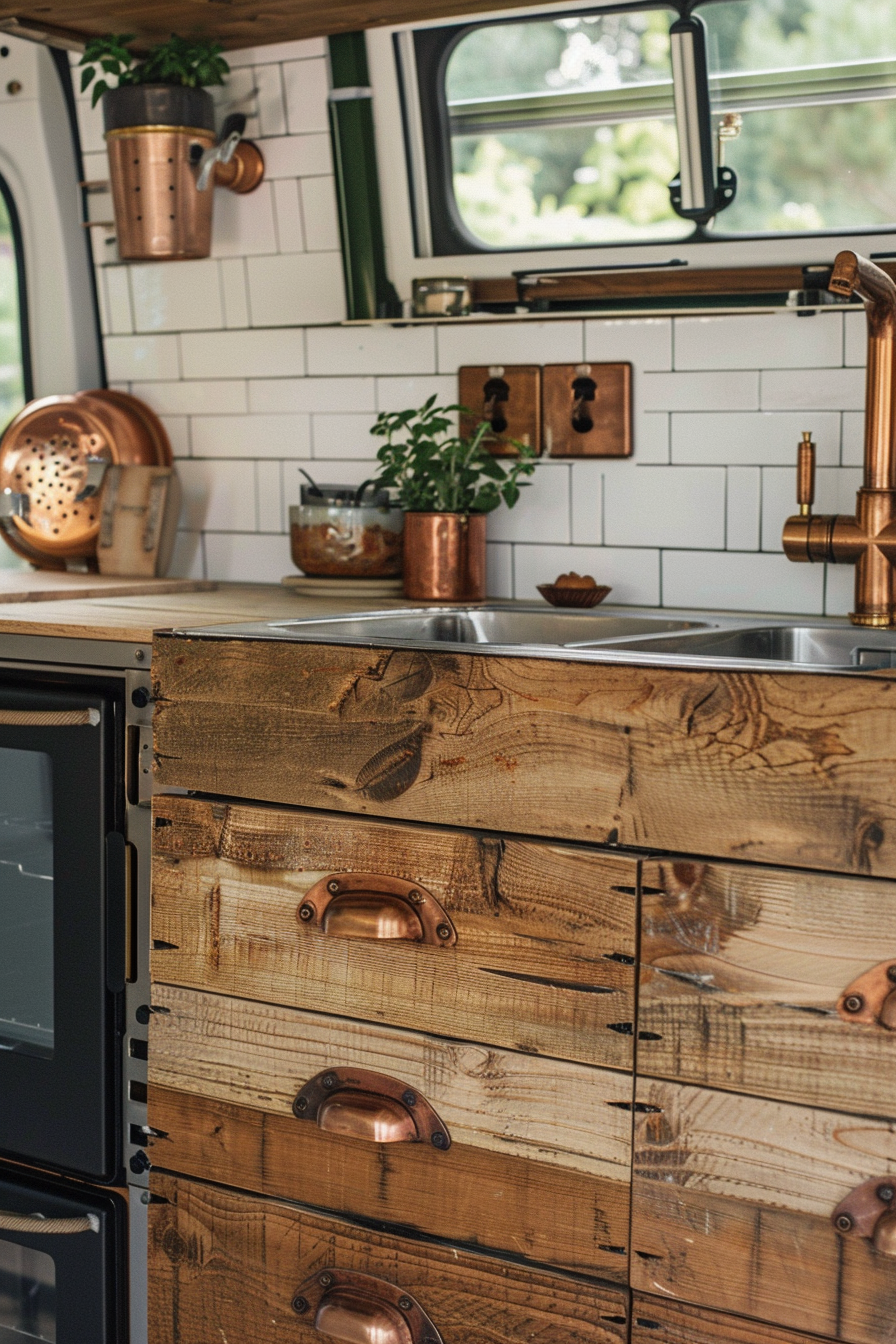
point(588, 410)
point(514, 416)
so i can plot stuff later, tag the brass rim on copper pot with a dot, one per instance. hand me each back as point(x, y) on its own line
point(444, 557)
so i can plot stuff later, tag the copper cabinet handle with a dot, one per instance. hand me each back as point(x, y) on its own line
point(360, 1309)
point(871, 999)
point(49, 1227)
point(361, 1104)
point(869, 1212)
point(378, 907)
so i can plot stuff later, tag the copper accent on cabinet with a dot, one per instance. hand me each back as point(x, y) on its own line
point(362, 1104)
point(509, 397)
point(377, 907)
point(869, 1212)
point(588, 410)
point(360, 1309)
point(871, 998)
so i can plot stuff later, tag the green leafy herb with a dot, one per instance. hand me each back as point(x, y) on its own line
point(434, 470)
point(192, 64)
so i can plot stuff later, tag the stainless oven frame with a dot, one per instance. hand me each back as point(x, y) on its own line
point(129, 662)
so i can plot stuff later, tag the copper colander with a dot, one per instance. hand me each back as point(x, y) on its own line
point(44, 453)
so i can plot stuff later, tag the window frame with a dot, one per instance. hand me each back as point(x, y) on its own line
point(416, 247)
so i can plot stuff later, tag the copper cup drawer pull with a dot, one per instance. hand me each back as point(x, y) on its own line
point(871, 999)
point(376, 906)
point(359, 1309)
point(361, 1104)
point(869, 1212)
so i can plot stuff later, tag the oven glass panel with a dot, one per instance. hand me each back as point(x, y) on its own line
point(27, 1295)
point(26, 903)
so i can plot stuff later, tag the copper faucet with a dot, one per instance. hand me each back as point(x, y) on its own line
point(867, 540)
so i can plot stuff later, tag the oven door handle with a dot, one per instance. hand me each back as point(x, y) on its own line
point(49, 718)
point(116, 912)
point(36, 1222)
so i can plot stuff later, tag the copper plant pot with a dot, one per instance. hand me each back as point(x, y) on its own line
point(444, 557)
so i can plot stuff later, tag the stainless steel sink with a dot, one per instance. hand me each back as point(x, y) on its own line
point(801, 645)
point(530, 627)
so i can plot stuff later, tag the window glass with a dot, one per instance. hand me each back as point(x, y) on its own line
point(814, 82)
point(562, 131)
point(12, 378)
point(27, 1295)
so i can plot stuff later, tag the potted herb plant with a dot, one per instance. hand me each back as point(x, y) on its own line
point(447, 484)
point(159, 120)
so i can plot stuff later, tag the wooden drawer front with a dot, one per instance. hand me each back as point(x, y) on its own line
point(742, 970)
point(657, 1322)
point(794, 769)
point(225, 1266)
point(540, 1150)
point(732, 1204)
point(544, 957)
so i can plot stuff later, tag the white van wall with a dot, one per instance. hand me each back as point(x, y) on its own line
point(244, 357)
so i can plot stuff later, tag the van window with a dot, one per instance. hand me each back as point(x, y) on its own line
point(559, 131)
point(14, 388)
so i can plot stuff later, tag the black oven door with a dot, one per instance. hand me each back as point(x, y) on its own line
point(62, 929)
point(62, 1263)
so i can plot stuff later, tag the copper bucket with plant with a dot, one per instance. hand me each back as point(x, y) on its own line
point(447, 483)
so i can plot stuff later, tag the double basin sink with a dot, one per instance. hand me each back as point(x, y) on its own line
point(609, 635)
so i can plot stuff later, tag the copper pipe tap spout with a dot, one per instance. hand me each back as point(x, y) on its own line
point(867, 539)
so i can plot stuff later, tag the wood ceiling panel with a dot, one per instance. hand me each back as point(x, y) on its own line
point(234, 23)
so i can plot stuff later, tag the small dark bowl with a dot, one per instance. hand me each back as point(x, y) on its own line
point(562, 596)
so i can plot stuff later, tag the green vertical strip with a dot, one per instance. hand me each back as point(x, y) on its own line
point(369, 292)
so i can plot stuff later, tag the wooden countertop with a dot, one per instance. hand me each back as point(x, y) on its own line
point(133, 619)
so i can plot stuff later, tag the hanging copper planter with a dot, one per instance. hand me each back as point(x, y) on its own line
point(162, 149)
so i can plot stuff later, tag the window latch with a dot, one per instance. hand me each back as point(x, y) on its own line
point(701, 190)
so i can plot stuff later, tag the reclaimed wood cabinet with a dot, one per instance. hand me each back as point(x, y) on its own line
point(571, 968)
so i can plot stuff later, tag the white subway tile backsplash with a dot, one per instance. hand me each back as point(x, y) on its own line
point(299, 288)
point(120, 315)
point(218, 495)
point(177, 427)
point(743, 504)
point(759, 341)
point(269, 494)
point(140, 357)
point(839, 590)
point(664, 506)
point(234, 292)
point(288, 213)
point(297, 156)
point(343, 436)
point(239, 94)
point(813, 390)
point(307, 87)
point(404, 394)
point(835, 492)
point(731, 390)
point(586, 497)
point(651, 437)
point(400, 350)
point(237, 558)
point(319, 213)
point(738, 581)
point(174, 296)
point(543, 508)
point(757, 438)
point(236, 354)
point(498, 569)
point(855, 347)
point(508, 343)
point(634, 575)
point(244, 225)
point(271, 100)
point(644, 342)
point(251, 436)
point(223, 396)
point(188, 557)
point(853, 450)
point(329, 395)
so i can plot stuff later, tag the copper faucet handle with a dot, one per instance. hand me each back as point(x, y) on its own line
point(805, 474)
